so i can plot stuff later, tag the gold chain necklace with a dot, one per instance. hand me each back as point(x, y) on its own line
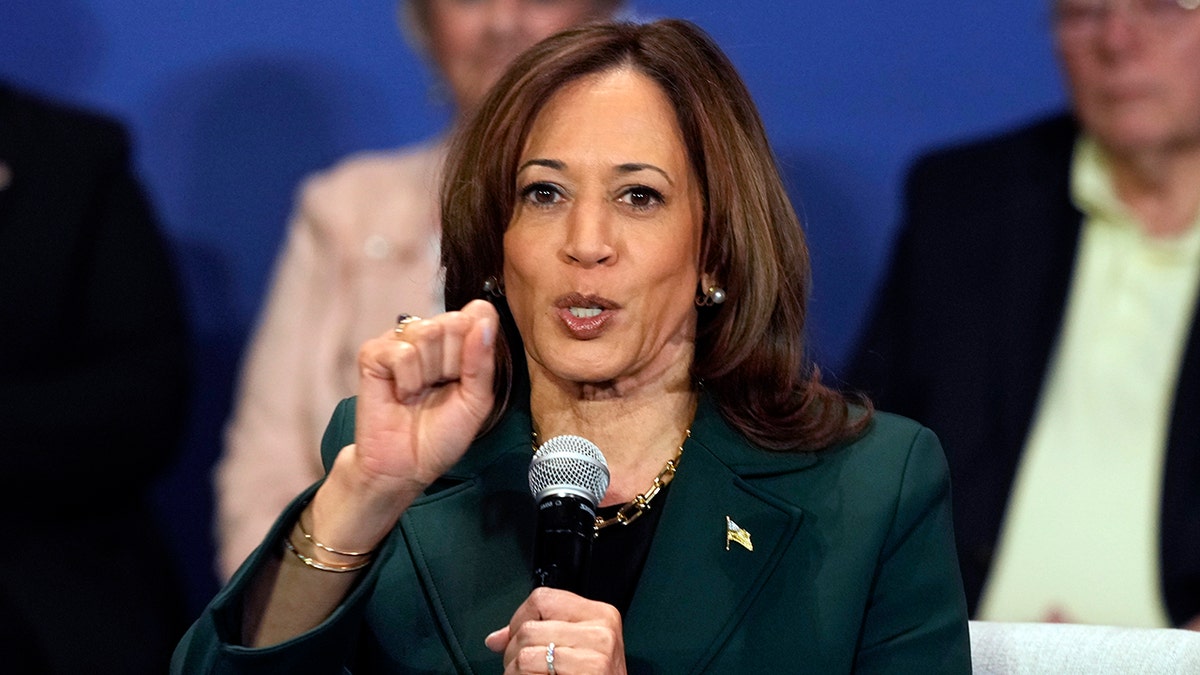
point(633, 509)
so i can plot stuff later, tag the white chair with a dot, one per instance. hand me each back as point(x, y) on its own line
point(1064, 649)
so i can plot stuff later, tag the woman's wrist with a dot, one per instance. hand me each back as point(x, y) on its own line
point(352, 511)
point(320, 556)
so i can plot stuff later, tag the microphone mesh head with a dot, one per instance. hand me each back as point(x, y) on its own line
point(569, 464)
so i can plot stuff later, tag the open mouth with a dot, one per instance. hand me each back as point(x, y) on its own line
point(585, 316)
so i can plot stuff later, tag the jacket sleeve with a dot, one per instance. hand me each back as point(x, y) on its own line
point(213, 643)
point(916, 619)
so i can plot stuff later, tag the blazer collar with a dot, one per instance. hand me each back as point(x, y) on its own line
point(692, 570)
point(464, 561)
point(466, 536)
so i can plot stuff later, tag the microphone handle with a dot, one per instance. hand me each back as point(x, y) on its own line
point(562, 545)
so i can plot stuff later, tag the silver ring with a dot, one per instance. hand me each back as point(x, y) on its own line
point(403, 320)
point(550, 659)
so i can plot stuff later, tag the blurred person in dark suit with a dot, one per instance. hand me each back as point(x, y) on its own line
point(93, 382)
point(1040, 316)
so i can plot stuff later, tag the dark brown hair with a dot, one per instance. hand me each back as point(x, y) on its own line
point(750, 354)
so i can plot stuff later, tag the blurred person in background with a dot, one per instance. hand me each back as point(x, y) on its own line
point(93, 395)
point(363, 241)
point(1040, 316)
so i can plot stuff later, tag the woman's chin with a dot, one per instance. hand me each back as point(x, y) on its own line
point(581, 372)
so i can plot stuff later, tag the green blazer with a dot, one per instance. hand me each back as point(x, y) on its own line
point(853, 566)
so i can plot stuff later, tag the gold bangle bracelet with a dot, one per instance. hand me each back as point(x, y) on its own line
point(324, 567)
point(323, 547)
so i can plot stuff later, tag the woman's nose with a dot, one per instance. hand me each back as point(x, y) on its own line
point(589, 236)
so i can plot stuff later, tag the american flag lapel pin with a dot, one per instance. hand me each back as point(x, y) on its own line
point(735, 532)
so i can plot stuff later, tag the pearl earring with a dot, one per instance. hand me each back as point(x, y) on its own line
point(714, 295)
point(493, 287)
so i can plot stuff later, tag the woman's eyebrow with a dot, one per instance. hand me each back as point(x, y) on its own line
point(555, 164)
point(622, 169)
point(633, 167)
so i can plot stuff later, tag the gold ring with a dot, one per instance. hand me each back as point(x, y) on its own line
point(403, 320)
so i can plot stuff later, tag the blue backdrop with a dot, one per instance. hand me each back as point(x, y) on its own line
point(230, 103)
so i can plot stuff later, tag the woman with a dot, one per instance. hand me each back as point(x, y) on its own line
point(616, 197)
point(365, 237)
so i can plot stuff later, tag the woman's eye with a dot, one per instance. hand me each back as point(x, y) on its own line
point(642, 197)
point(542, 194)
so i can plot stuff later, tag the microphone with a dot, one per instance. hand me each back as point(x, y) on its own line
point(568, 477)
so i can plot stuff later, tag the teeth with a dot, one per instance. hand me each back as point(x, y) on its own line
point(585, 312)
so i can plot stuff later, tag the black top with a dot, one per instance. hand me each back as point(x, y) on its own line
point(619, 553)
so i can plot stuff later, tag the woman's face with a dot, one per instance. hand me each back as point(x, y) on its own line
point(472, 41)
point(601, 258)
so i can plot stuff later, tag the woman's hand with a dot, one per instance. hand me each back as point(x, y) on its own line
point(586, 635)
point(423, 393)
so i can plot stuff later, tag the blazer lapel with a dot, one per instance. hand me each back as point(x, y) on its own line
point(693, 592)
point(475, 570)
